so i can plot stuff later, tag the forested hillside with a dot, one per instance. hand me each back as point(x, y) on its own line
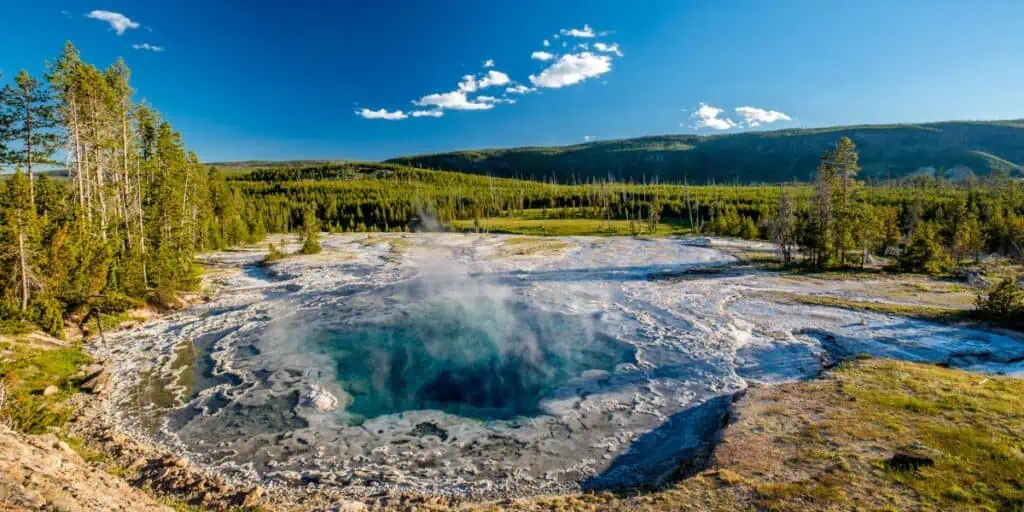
point(756, 157)
point(121, 225)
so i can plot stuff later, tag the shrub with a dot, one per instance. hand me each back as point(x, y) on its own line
point(1004, 303)
point(273, 254)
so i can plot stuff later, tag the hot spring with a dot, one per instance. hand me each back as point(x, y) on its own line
point(452, 364)
point(486, 360)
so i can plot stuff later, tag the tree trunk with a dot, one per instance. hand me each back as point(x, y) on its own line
point(28, 153)
point(78, 155)
point(24, 268)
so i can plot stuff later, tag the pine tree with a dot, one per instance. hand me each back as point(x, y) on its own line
point(924, 253)
point(311, 233)
point(783, 226)
point(22, 229)
point(969, 240)
point(31, 118)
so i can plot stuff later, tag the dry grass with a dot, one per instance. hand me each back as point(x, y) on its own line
point(530, 246)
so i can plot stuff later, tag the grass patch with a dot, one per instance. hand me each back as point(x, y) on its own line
point(111, 322)
point(528, 246)
point(930, 313)
point(27, 374)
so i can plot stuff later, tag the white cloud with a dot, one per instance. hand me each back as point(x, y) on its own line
point(468, 83)
point(582, 46)
point(427, 113)
point(547, 43)
point(586, 31)
point(608, 48)
point(118, 22)
point(492, 99)
point(455, 100)
point(494, 78)
point(489, 63)
point(519, 89)
point(148, 47)
point(754, 117)
point(542, 56)
point(588, 138)
point(571, 69)
point(381, 114)
point(707, 117)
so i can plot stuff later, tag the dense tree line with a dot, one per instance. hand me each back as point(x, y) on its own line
point(124, 225)
point(836, 221)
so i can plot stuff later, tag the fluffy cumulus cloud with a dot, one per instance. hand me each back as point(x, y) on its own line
point(546, 43)
point(454, 100)
point(494, 78)
point(571, 69)
point(586, 32)
point(489, 63)
point(148, 47)
point(754, 117)
point(428, 113)
point(381, 114)
point(118, 22)
point(608, 48)
point(708, 116)
point(542, 56)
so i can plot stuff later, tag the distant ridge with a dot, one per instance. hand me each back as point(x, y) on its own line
point(958, 149)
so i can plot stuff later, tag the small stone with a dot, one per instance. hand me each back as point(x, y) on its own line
point(348, 506)
point(180, 462)
point(908, 462)
point(51, 390)
point(97, 383)
point(254, 498)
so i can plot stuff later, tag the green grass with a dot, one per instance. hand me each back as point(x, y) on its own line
point(972, 423)
point(27, 374)
point(569, 227)
point(111, 322)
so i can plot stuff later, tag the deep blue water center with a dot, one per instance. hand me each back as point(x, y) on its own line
point(483, 360)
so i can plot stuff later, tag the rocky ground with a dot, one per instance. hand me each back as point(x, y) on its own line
point(742, 328)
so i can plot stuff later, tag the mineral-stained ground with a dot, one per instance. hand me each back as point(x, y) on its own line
point(488, 366)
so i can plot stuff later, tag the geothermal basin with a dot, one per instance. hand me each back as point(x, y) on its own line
point(486, 365)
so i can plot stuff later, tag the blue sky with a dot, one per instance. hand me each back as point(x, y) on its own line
point(282, 80)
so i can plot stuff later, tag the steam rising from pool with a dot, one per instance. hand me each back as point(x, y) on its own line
point(487, 359)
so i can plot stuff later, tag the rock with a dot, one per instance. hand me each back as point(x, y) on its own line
point(51, 390)
point(973, 277)
point(907, 462)
point(320, 399)
point(43, 473)
point(253, 498)
point(97, 383)
point(347, 506)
